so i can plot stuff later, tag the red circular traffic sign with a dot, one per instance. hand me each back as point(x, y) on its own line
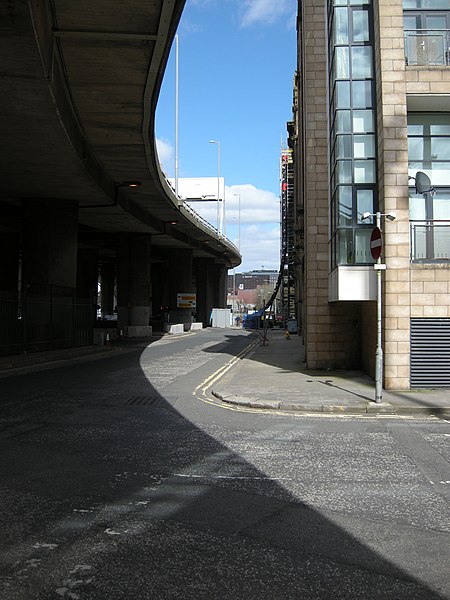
point(375, 243)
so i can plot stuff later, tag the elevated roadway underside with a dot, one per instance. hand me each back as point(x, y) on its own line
point(79, 83)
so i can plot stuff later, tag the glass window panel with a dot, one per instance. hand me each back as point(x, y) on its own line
point(364, 203)
point(343, 123)
point(362, 246)
point(344, 171)
point(364, 146)
point(415, 148)
point(362, 94)
point(364, 171)
point(344, 146)
point(411, 4)
point(343, 94)
point(361, 62)
point(441, 241)
point(358, 2)
point(360, 26)
point(341, 26)
point(344, 196)
point(363, 121)
point(440, 129)
point(415, 129)
point(439, 124)
point(345, 247)
point(417, 208)
point(441, 208)
point(341, 63)
point(435, 22)
point(440, 148)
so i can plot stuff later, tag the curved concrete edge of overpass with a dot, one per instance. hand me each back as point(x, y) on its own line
point(81, 249)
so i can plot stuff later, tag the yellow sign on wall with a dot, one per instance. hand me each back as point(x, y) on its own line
point(186, 300)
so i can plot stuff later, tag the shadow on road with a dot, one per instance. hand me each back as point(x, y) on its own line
point(108, 491)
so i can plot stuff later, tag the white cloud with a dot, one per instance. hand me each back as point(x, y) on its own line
point(258, 224)
point(165, 154)
point(267, 11)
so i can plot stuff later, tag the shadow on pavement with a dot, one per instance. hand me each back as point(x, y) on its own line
point(107, 491)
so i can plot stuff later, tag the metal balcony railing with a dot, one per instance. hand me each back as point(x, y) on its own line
point(430, 241)
point(427, 47)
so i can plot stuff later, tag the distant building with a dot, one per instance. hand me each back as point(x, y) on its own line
point(252, 279)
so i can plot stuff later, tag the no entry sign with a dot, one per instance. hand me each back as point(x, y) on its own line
point(375, 243)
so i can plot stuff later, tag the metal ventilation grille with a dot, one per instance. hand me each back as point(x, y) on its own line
point(430, 353)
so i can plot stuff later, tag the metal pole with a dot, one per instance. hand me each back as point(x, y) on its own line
point(218, 190)
point(176, 115)
point(379, 351)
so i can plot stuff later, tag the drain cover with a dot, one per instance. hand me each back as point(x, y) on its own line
point(143, 400)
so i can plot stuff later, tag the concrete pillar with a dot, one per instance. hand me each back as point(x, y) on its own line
point(9, 261)
point(205, 275)
point(50, 239)
point(180, 281)
point(49, 269)
point(134, 293)
point(107, 281)
point(221, 286)
point(10, 323)
point(87, 280)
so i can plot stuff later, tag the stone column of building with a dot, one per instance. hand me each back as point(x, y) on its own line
point(49, 252)
point(393, 189)
point(134, 294)
point(107, 281)
point(331, 330)
point(180, 282)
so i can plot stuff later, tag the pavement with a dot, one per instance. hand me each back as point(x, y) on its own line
point(271, 375)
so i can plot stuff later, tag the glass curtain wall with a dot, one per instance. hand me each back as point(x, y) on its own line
point(429, 152)
point(352, 130)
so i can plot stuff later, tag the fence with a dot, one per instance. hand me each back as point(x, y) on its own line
point(44, 318)
point(427, 48)
point(430, 241)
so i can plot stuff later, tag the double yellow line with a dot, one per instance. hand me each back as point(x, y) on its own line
point(201, 390)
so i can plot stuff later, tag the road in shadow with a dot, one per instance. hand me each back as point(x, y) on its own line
point(107, 491)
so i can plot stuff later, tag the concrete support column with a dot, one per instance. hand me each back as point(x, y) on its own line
point(107, 280)
point(87, 278)
point(205, 274)
point(9, 261)
point(220, 297)
point(180, 281)
point(134, 293)
point(50, 239)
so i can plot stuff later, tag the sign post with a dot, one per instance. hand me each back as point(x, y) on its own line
point(375, 250)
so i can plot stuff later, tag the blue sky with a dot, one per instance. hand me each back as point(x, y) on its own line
point(236, 66)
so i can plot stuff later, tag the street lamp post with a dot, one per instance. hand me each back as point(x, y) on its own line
point(218, 187)
point(377, 244)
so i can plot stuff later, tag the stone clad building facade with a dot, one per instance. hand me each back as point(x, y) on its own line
point(371, 118)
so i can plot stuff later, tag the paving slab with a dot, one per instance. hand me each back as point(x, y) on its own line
point(273, 376)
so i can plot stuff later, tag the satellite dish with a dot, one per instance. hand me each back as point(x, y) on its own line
point(423, 183)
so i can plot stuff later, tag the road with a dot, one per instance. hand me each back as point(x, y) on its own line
point(122, 478)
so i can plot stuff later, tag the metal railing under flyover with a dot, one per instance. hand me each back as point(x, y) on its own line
point(430, 241)
point(427, 47)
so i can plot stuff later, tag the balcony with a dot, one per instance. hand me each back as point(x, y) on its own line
point(427, 48)
point(430, 241)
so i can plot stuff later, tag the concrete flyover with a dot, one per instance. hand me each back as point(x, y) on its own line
point(79, 87)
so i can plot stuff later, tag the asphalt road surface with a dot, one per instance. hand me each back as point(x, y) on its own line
point(122, 478)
